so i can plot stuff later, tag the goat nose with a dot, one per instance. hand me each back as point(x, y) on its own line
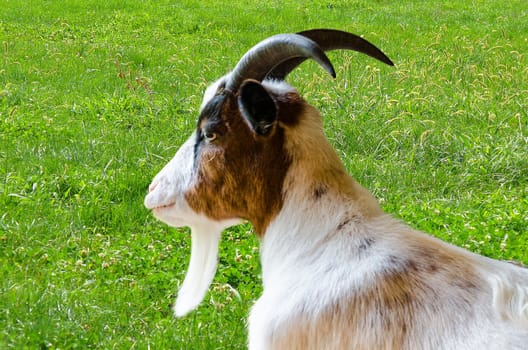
point(152, 187)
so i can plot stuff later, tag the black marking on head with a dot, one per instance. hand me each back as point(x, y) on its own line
point(210, 118)
point(213, 109)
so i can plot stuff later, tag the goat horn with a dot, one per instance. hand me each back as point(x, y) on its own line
point(266, 55)
point(329, 39)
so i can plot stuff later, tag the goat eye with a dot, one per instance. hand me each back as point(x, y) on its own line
point(209, 136)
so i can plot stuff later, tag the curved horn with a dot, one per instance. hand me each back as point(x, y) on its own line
point(329, 39)
point(266, 55)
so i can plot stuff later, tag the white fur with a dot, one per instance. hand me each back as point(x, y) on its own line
point(278, 87)
point(302, 275)
point(201, 270)
point(510, 298)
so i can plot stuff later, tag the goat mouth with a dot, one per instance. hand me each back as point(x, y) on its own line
point(164, 206)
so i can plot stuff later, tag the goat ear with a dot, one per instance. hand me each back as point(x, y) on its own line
point(257, 107)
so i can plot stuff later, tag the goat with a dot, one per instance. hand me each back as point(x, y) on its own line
point(338, 273)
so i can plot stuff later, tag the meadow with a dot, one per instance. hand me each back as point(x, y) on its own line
point(95, 97)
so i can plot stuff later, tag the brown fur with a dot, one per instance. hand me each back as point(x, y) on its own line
point(241, 174)
point(317, 168)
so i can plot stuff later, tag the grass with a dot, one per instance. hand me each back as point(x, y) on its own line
point(96, 96)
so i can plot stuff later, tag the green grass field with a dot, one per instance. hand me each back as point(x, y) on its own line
point(95, 97)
